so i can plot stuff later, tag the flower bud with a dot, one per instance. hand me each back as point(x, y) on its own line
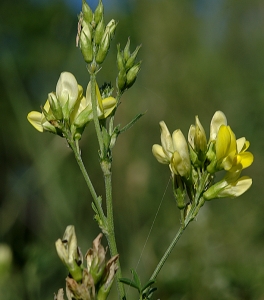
point(200, 142)
point(87, 12)
point(99, 32)
point(99, 11)
point(131, 60)
point(127, 50)
point(121, 80)
point(103, 49)
point(55, 106)
point(132, 75)
point(120, 59)
point(179, 191)
point(86, 47)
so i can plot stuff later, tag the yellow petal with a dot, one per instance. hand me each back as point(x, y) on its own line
point(166, 140)
point(35, 119)
point(108, 106)
point(218, 119)
point(160, 155)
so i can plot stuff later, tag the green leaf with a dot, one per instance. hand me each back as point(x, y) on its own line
point(129, 282)
point(136, 279)
point(130, 124)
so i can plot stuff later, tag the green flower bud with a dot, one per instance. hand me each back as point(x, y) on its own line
point(121, 80)
point(87, 12)
point(126, 50)
point(86, 47)
point(99, 11)
point(131, 60)
point(103, 49)
point(99, 32)
point(179, 191)
point(84, 117)
point(132, 75)
point(55, 106)
point(120, 59)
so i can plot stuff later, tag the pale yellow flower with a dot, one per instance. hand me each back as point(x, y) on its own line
point(173, 151)
point(230, 186)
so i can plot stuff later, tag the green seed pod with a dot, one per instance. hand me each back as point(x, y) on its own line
point(103, 49)
point(99, 11)
point(86, 47)
point(131, 60)
point(132, 75)
point(87, 12)
point(99, 32)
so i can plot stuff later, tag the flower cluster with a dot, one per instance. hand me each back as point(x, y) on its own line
point(193, 164)
point(93, 282)
point(68, 111)
point(127, 67)
point(93, 36)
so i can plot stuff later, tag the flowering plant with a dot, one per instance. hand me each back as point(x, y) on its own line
point(193, 162)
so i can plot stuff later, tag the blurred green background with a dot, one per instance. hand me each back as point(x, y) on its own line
point(198, 56)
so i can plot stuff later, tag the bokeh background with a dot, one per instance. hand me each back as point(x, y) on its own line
point(198, 56)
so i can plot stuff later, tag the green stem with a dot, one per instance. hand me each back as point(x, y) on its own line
point(167, 253)
point(106, 167)
point(75, 148)
point(95, 115)
point(196, 205)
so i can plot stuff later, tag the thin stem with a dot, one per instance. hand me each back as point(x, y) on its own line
point(197, 204)
point(111, 232)
point(75, 148)
point(167, 253)
point(95, 115)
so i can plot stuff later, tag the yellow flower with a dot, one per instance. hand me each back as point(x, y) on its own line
point(173, 151)
point(231, 154)
point(230, 186)
point(38, 120)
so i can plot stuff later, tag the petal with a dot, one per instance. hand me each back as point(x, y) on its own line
point(166, 140)
point(181, 146)
point(179, 165)
point(218, 119)
point(67, 89)
point(160, 155)
point(108, 105)
point(191, 135)
point(236, 189)
point(35, 119)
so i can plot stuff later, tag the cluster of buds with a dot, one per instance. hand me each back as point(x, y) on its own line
point(193, 164)
point(93, 36)
point(67, 111)
point(127, 67)
point(92, 282)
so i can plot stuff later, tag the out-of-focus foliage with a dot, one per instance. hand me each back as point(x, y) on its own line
point(198, 57)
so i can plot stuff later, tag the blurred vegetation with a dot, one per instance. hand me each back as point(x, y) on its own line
point(198, 57)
